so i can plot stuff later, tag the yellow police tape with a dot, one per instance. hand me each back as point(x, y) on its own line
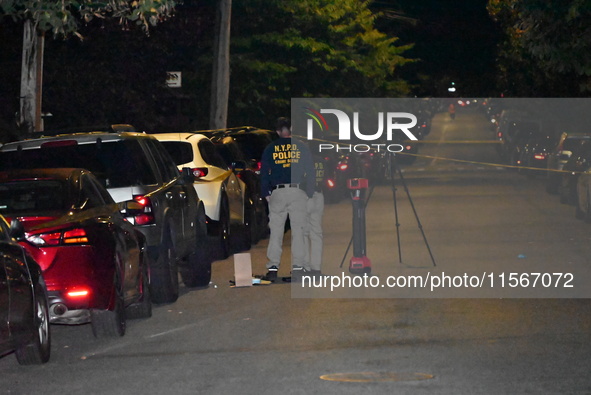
point(428, 142)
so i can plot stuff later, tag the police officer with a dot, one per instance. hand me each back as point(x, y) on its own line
point(313, 232)
point(287, 182)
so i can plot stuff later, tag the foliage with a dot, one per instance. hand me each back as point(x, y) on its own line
point(544, 52)
point(63, 17)
point(310, 48)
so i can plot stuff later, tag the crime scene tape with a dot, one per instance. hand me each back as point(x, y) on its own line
point(450, 142)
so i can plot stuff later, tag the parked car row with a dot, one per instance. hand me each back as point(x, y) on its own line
point(536, 145)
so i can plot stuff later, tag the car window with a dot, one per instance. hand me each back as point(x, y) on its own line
point(180, 151)
point(210, 155)
point(18, 197)
point(89, 196)
point(118, 163)
point(100, 188)
point(165, 164)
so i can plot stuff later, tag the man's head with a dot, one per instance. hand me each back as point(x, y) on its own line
point(283, 127)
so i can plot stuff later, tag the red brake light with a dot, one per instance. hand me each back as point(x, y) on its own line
point(330, 183)
point(73, 236)
point(540, 156)
point(78, 293)
point(343, 166)
point(199, 172)
point(147, 216)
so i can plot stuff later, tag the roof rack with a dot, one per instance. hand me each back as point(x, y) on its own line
point(113, 128)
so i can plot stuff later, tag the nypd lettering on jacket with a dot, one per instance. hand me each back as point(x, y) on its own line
point(286, 154)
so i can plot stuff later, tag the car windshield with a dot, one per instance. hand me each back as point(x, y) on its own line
point(33, 196)
point(118, 163)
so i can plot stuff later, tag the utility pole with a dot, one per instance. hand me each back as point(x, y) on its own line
point(220, 82)
point(31, 80)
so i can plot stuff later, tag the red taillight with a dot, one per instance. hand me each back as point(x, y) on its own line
point(343, 166)
point(74, 236)
point(199, 172)
point(61, 143)
point(540, 156)
point(330, 183)
point(80, 293)
point(146, 217)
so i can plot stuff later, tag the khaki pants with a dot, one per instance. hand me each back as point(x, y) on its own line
point(284, 202)
point(313, 232)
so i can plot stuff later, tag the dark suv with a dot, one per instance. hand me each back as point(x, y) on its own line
point(140, 175)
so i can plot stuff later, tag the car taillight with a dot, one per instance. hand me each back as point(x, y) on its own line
point(540, 156)
point(330, 183)
point(78, 293)
point(146, 217)
point(74, 236)
point(343, 166)
point(199, 172)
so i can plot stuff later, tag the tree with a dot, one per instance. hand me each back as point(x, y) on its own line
point(307, 48)
point(545, 48)
point(63, 18)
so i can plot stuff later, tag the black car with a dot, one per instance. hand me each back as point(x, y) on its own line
point(24, 312)
point(247, 170)
point(579, 162)
point(559, 156)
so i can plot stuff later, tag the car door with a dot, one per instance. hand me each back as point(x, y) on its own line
point(179, 198)
point(4, 304)
point(233, 186)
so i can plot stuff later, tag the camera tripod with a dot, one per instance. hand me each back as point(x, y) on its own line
point(392, 170)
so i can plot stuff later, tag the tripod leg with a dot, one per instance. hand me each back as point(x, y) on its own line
point(393, 181)
point(413, 209)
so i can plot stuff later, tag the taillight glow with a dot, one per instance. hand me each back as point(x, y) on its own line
point(539, 156)
point(199, 172)
point(74, 236)
point(78, 294)
point(343, 166)
point(147, 216)
point(330, 183)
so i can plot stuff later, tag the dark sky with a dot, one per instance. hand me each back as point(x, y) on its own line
point(455, 39)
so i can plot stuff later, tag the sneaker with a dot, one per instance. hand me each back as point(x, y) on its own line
point(297, 272)
point(272, 274)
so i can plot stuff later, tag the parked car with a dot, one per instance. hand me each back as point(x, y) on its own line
point(222, 192)
point(256, 207)
point(578, 163)
point(24, 311)
point(93, 260)
point(559, 156)
point(135, 167)
point(535, 152)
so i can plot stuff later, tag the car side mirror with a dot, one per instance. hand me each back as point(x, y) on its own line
point(17, 230)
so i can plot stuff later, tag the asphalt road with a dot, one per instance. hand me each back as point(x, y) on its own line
point(477, 217)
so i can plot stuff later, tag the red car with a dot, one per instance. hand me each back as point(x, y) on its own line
point(93, 260)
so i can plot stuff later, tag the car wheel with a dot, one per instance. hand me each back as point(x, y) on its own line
point(164, 276)
point(143, 308)
point(196, 272)
point(110, 323)
point(39, 350)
